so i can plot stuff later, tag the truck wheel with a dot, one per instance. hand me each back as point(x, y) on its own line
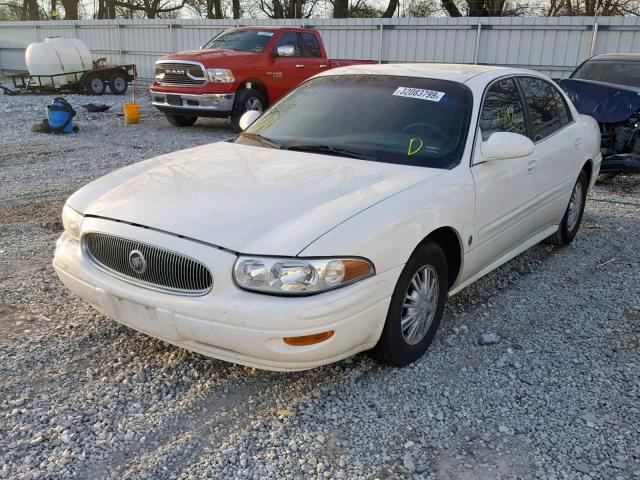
point(180, 120)
point(246, 99)
point(118, 83)
point(94, 85)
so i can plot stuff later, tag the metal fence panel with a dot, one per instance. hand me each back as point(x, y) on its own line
point(551, 45)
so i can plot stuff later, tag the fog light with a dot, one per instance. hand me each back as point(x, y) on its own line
point(308, 339)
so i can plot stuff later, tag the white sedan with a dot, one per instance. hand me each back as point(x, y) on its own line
point(340, 220)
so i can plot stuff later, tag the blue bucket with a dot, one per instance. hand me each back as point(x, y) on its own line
point(60, 114)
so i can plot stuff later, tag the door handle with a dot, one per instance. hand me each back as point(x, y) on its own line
point(323, 66)
point(577, 143)
point(299, 66)
point(532, 166)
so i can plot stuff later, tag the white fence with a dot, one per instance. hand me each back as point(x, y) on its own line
point(551, 45)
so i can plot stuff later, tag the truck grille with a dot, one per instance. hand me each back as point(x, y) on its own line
point(147, 265)
point(180, 74)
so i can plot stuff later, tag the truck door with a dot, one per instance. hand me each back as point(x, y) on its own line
point(285, 73)
point(314, 61)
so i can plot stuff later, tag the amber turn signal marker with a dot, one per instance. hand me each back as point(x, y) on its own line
point(355, 269)
point(308, 339)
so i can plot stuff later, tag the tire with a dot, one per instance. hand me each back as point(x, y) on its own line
point(570, 223)
point(94, 85)
point(118, 83)
point(246, 99)
point(180, 120)
point(399, 347)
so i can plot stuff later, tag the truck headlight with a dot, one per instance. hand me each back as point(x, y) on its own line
point(220, 75)
point(72, 222)
point(298, 276)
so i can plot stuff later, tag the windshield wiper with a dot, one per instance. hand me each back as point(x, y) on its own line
point(263, 140)
point(328, 149)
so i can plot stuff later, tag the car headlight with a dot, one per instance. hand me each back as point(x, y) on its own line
point(220, 75)
point(298, 276)
point(72, 222)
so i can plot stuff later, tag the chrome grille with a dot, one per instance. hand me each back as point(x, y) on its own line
point(180, 74)
point(165, 270)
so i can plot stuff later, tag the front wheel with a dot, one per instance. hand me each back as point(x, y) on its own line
point(246, 99)
point(416, 307)
point(180, 120)
point(570, 223)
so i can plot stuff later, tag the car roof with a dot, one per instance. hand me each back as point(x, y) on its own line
point(634, 57)
point(455, 72)
point(270, 27)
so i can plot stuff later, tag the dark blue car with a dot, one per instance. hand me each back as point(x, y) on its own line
point(607, 87)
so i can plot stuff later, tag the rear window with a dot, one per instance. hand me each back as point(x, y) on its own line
point(609, 71)
point(547, 109)
point(310, 46)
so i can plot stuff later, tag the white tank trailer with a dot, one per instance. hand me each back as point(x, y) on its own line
point(58, 55)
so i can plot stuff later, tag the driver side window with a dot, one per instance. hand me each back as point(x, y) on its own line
point(289, 38)
point(502, 110)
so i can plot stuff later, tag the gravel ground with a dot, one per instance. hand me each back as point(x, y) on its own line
point(534, 373)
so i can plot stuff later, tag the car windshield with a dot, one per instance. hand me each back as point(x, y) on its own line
point(393, 119)
point(619, 72)
point(243, 40)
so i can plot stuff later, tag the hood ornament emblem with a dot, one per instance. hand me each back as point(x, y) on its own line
point(137, 262)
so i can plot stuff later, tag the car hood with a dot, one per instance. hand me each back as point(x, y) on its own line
point(212, 58)
point(606, 102)
point(244, 198)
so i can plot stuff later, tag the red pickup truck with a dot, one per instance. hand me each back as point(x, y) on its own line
point(245, 68)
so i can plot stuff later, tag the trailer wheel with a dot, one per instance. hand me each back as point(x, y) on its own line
point(94, 85)
point(118, 83)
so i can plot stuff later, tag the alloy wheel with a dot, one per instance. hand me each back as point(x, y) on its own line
point(575, 207)
point(420, 304)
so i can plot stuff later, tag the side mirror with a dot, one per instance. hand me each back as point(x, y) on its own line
point(505, 145)
point(248, 118)
point(286, 51)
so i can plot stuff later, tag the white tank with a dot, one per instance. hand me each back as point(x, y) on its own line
point(58, 55)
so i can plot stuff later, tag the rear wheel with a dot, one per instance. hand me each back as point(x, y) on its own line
point(118, 83)
point(180, 120)
point(246, 99)
point(94, 84)
point(416, 307)
point(570, 223)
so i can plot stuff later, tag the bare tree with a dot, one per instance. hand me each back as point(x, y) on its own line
point(391, 9)
point(70, 9)
point(152, 8)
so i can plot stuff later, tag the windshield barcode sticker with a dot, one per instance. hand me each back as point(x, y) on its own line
point(419, 93)
point(266, 34)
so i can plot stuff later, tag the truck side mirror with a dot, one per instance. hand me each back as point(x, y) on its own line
point(286, 51)
point(248, 118)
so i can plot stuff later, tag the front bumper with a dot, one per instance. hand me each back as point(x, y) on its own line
point(210, 104)
point(621, 163)
point(229, 323)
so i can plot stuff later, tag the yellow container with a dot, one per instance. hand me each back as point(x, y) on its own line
point(131, 113)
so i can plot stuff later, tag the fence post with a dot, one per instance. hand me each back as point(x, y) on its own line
point(119, 44)
point(594, 37)
point(476, 47)
point(380, 43)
